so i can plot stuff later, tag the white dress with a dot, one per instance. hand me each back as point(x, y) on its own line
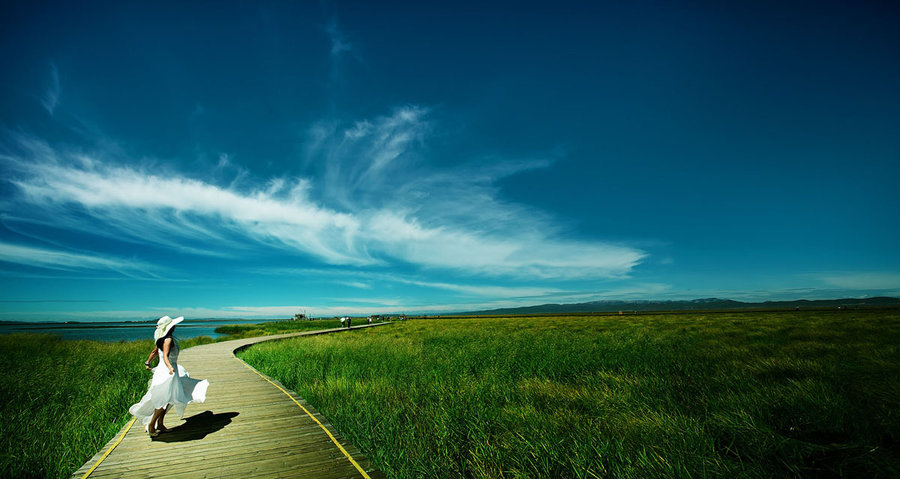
point(167, 390)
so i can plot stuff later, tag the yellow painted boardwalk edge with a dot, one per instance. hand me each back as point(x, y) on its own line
point(335, 441)
point(122, 436)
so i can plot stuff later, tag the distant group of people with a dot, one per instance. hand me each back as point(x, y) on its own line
point(346, 320)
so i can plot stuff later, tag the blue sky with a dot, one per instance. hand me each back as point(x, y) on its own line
point(256, 159)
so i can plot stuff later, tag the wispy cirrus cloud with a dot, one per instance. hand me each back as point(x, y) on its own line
point(451, 218)
point(359, 162)
point(339, 42)
point(492, 291)
point(356, 284)
point(35, 301)
point(51, 96)
point(67, 261)
point(340, 47)
point(175, 211)
point(868, 280)
point(366, 280)
point(375, 201)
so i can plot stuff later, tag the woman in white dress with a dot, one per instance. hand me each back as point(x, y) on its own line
point(171, 385)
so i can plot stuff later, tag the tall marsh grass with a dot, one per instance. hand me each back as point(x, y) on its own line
point(62, 400)
point(738, 394)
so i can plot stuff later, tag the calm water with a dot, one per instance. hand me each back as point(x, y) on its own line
point(119, 331)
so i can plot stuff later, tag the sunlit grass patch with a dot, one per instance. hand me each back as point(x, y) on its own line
point(62, 400)
point(742, 394)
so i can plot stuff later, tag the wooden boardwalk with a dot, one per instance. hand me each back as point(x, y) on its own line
point(246, 428)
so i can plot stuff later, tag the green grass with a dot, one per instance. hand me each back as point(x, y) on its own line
point(62, 400)
point(687, 395)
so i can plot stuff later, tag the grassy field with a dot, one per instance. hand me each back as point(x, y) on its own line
point(687, 395)
point(61, 401)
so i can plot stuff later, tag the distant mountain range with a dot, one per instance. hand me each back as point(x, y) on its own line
point(705, 304)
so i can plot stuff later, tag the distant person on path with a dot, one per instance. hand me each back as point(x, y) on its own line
point(171, 385)
point(343, 321)
point(349, 320)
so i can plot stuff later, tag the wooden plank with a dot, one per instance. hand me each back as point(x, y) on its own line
point(308, 458)
point(269, 436)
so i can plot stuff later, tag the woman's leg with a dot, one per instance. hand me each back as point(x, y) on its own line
point(152, 427)
point(159, 421)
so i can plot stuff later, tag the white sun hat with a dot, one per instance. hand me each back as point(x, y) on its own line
point(163, 326)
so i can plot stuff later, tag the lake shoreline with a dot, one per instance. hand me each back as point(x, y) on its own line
point(115, 331)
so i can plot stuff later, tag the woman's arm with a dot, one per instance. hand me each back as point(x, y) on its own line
point(167, 344)
point(154, 353)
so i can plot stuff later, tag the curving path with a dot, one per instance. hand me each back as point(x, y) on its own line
point(248, 427)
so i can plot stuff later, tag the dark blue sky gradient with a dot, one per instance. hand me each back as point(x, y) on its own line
point(739, 149)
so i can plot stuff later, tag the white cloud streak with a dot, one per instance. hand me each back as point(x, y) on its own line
point(863, 280)
point(171, 210)
point(366, 280)
point(66, 261)
point(375, 202)
point(356, 284)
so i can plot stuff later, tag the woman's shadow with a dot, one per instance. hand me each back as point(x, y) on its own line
point(197, 427)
